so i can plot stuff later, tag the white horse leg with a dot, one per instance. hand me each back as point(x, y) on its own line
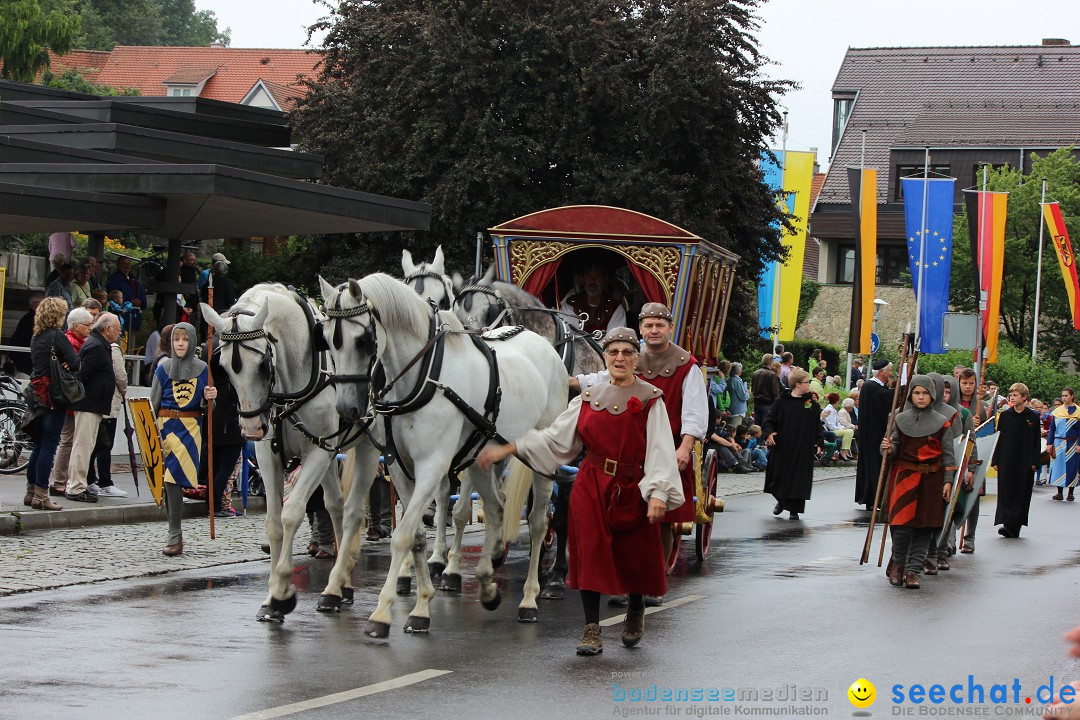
point(451, 579)
point(274, 483)
point(420, 616)
point(484, 482)
point(438, 559)
point(408, 565)
point(312, 470)
point(541, 487)
point(401, 542)
point(338, 588)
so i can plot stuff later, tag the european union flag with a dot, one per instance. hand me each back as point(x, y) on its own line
point(934, 245)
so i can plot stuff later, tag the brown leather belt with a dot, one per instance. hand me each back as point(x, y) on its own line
point(173, 414)
point(919, 467)
point(615, 468)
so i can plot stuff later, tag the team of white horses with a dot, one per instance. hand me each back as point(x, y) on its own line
point(398, 368)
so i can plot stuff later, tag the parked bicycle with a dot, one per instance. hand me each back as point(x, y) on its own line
point(15, 443)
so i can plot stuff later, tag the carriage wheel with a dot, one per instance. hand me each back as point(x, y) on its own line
point(703, 532)
point(673, 551)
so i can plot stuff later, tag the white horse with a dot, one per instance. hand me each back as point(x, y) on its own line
point(429, 279)
point(288, 406)
point(424, 361)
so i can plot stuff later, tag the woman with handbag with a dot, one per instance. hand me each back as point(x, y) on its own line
point(53, 357)
point(627, 481)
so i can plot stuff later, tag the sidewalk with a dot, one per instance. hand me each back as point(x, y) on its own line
point(16, 518)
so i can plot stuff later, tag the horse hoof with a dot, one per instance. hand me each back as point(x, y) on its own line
point(494, 602)
point(328, 603)
point(404, 585)
point(346, 596)
point(267, 614)
point(283, 607)
point(377, 630)
point(417, 624)
point(497, 562)
point(436, 568)
point(554, 591)
point(451, 583)
point(528, 615)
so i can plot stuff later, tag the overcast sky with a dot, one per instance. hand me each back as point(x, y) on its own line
point(805, 38)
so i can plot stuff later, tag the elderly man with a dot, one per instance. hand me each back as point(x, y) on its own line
point(79, 322)
point(602, 310)
point(875, 404)
point(675, 371)
point(99, 380)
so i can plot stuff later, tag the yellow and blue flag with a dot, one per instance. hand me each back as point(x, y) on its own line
point(933, 245)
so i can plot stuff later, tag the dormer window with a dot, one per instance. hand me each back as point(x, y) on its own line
point(842, 107)
point(188, 80)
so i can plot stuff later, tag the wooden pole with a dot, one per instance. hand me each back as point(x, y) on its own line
point(882, 473)
point(210, 407)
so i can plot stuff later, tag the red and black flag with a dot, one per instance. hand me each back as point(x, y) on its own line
point(863, 183)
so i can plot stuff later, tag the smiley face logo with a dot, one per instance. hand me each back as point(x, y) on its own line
point(862, 693)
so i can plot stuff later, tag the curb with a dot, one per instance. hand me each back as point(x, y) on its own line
point(20, 521)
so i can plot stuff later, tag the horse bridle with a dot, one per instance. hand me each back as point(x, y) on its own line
point(422, 273)
point(240, 339)
point(506, 312)
point(339, 313)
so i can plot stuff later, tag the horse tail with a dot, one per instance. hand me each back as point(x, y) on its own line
point(348, 470)
point(518, 484)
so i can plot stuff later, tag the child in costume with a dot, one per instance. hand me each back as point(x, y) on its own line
point(178, 395)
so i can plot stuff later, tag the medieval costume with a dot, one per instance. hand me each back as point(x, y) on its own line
point(789, 477)
point(1015, 458)
point(1064, 435)
point(609, 313)
point(922, 459)
point(980, 413)
point(875, 404)
point(177, 399)
point(964, 422)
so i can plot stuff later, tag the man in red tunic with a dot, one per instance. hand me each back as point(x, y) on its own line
point(674, 370)
point(601, 309)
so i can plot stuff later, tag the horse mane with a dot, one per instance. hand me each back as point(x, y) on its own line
point(540, 323)
point(254, 297)
point(400, 308)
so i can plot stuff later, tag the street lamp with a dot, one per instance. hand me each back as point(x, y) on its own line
point(878, 304)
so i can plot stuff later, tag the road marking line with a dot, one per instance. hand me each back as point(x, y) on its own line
point(344, 696)
point(668, 604)
point(828, 558)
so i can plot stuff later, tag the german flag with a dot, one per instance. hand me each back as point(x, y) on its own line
point(986, 225)
point(863, 182)
point(1055, 223)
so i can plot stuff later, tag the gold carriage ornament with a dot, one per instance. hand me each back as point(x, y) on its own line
point(541, 253)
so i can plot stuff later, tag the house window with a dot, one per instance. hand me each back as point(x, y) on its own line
point(180, 92)
point(977, 172)
point(841, 112)
point(907, 171)
point(891, 264)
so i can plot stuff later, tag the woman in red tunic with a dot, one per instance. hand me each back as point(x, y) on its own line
point(628, 479)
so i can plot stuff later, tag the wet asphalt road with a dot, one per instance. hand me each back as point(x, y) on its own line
point(778, 603)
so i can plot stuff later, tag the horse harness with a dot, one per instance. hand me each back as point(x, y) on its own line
point(281, 407)
point(422, 274)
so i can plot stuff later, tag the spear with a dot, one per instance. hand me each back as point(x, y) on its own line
point(210, 406)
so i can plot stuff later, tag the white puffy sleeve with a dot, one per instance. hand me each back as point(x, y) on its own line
point(661, 479)
point(555, 445)
point(592, 379)
point(695, 406)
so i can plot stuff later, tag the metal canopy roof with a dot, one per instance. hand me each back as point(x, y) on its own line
point(170, 147)
point(21, 150)
point(240, 129)
point(215, 201)
point(34, 209)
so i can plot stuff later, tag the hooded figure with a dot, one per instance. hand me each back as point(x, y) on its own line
point(178, 395)
point(921, 458)
point(947, 541)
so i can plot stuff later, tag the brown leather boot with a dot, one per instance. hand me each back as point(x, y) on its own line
point(172, 550)
point(895, 572)
point(42, 501)
point(28, 498)
point(929, 567)
point(911, 580)
point(633, 627)
point(592, 641)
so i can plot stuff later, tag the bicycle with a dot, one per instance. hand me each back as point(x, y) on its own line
point(15, 443)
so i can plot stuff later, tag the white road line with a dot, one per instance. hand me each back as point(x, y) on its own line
point(668, 604)
point(344, 696)
point(826, 559)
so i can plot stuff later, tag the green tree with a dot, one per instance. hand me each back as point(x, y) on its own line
point(108, 23)
point(28, 30)
point(71, 80)
point(183, 25)
point(1020, 270)
point(490, 110)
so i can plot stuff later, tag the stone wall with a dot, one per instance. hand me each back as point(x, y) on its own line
point(828, 319)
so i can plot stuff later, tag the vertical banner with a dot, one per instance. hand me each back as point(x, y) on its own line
point(934, 248)
point(863, 182)
point(1055, 223)
point(986, 228)
point(793, 176)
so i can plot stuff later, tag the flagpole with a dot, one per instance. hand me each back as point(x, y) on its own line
point(1038, 277)
point(922, 244)
point(862, 189)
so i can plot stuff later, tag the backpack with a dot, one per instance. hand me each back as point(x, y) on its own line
point(721, 398)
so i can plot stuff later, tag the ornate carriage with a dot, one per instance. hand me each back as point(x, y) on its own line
point(655, 261)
